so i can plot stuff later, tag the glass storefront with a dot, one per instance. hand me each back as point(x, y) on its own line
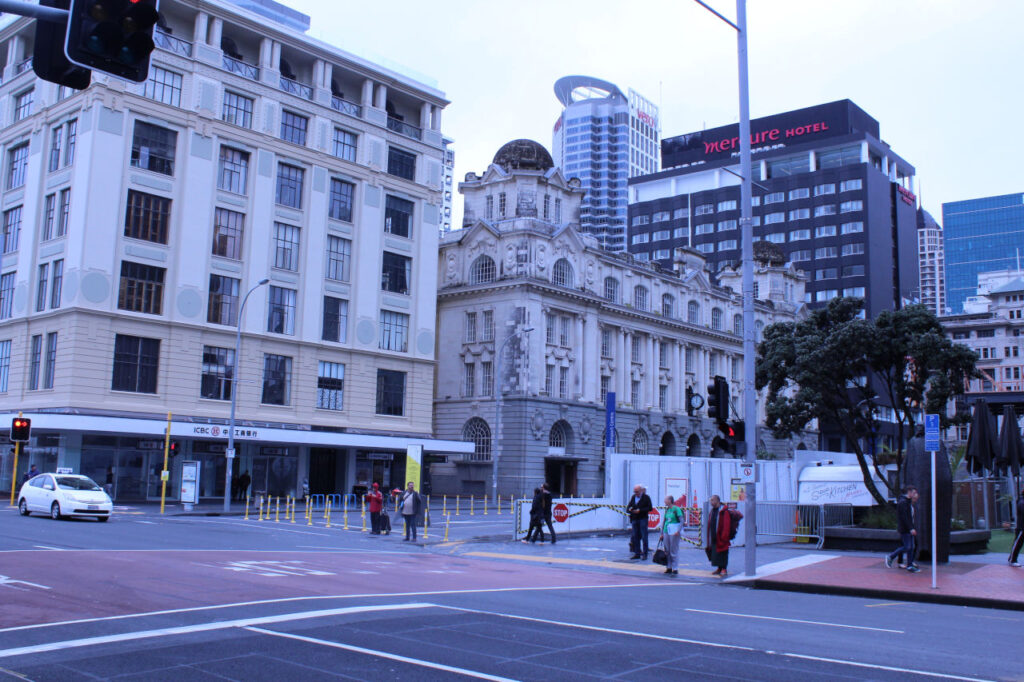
point(134, 463)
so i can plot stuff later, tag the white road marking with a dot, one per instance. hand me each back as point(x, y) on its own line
point(784, 565)
point(797, 620)
point(719, 645)
point(7, 581)
point(273, 569)
point(202, 627)
point(383, 654)
point(53, 549)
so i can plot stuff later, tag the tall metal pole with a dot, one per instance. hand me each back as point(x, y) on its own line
point(496, 449)
point(230, 452)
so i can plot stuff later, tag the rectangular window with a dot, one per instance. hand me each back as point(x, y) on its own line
point(163, 86)
point(5, 364)
point(825, 273)
point(17, 162)
point(401, 163)
point(774, 198)
point(223, 302)
point(136, 364)
point(330, 386)
point(277, 379)
point(12, 230)
point(57, 283)
point(335, 320)
point(44, 279)
point(727, 245)
point(486, 378)
point(825, 231)
point(727, 205)
point(142, 288)
point(394, 331)
point(469, 380)
point(854, 291)
point(72, 140)
point(799, 193)
point(281, 311)
point(289, 185)
point(228, 228)
point(286, 247)
point(706, 248)
point(237, 109)
point(558, 211)
point(853, 270)
point(396, 273)
point(470, 327)
point(635, 348)
point(49, 217)
point(850, 206)
point(776, 237)
point(153, 148)
point(826, 209)
point(662, 355)
point(35, 362)
point(344, 144)
point(293, 127)
point(64, 212)
point(233, 167)
point(147, 217)
point(797, 235)
point(563, 382)
point(704, 209)
point(634, 393)
point(642, 238)
point(725, 225)
point(703, 228)
point(850, 185)
point(605, 385)
point(216, 380)
point(549, 329)
point(398, 216)
point(852, 228)
point(339, 258)
point(490, 208)
point(662, 397)
point(6, 295)
point(488, 325)
point(390, 392)
point(56, 146)
point(23, 104)
point(662, 216)
point(772, 218)
point(606, 343)
point(826, 252)
point(339, 206)
point(688, 359)
point(662, 235)
point(800, 214)
point(563, 330)
point(853, 249)
point(827, 188)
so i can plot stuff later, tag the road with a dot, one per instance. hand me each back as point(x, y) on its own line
point(185, 598)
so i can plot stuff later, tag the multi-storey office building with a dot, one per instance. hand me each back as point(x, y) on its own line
point(828, 191)
point(448, 186)
point(931, 262)
point(980, 235)
point(603, 137)
point(601, 323)
point(140, 217)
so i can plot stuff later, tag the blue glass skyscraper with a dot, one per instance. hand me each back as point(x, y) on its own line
point(981, 235)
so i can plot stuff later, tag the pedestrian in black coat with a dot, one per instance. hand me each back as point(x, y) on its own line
point(905, 527)
point(1018, 541)
point(638, 508)
point(548, 504)
point(536, 529)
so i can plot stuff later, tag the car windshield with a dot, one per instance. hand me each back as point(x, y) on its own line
point(76, 483)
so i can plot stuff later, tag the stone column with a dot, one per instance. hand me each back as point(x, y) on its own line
point(622, 366)
point(652, 373)
point(199, 29)
point(584, 350)
point(216, 32)
point(367, 95)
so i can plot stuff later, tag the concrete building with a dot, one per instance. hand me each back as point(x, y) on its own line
point(137, 218)
point(980, 235)
point(448, 186)
point(601, 323)
point(828, 191)
point(931, 263)
point(604, 137)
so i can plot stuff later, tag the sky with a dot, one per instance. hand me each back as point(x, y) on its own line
point(942, 77)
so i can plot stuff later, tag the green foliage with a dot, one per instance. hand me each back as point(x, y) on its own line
point(879, 517)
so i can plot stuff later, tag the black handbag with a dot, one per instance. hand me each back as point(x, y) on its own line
point(660, 557)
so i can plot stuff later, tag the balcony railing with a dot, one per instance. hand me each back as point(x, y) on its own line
point(23, 66)
point(241, 68)
point(296, 88)
point(346, 107)
point(403, 128)
point(172, 43)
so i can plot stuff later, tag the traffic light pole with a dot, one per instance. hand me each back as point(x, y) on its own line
point(39, 12)
point(14, 470)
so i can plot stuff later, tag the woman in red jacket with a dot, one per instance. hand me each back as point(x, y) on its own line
point(719, 529)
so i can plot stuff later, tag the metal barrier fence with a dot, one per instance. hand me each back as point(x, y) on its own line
point(837, 515)
point(335, 500)
point(802, 522)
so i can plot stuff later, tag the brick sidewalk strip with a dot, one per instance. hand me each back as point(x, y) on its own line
point(959, 582)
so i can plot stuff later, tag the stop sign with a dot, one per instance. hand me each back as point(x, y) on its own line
point(653, 518)
point(560, 512)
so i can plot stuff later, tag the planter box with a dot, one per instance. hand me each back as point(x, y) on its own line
point(884, 540)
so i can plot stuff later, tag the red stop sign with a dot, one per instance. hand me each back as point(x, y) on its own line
point(560, 512)
point(653, 518)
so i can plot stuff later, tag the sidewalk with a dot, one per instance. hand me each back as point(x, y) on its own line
point(962, 581)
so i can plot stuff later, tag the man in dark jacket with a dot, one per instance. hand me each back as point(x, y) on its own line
point(719, 529)
point(548, 504)
point(905, 527)
point(536, 530)
point(637, 509)
point(1018, 541)
point(410, 505)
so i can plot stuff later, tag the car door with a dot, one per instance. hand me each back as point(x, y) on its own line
point(47, 491)
point(33, 493)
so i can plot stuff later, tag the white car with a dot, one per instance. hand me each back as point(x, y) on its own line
point(64, 495)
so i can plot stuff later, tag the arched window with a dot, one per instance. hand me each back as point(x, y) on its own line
point(483, 270)
point(668, 444)
point(737, 324)
point(639, 442)
point(611, 289)
point(693, 446)
point(477, 430)
point(693, 312)
point(759, 329)
point(716, 319)
point(668, 306)
point(557, 438)
point(640, 297)
point(561, 273)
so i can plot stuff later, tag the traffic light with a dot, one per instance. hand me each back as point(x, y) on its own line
point(718, 400)
point(48, 59)
point(113, 36)
point(21, 429)
point(173, 448)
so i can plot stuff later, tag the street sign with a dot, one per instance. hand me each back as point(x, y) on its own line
point(560, 512)
point(229, 453)
point(653, 519)
point(747, 474)
point(931, 433)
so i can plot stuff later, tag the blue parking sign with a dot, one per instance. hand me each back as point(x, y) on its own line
point(931, 433)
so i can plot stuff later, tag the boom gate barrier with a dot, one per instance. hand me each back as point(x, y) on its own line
point(597, 515)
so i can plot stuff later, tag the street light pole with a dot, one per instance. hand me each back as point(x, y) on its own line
point(230, 452)
point(497, 409)
point(747, 256)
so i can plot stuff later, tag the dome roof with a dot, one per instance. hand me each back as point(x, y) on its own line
point(523, 155)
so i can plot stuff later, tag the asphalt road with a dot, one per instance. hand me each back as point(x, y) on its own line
point(187, 598)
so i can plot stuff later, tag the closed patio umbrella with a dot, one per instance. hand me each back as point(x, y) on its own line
point(981, 454)
point(1010, 453)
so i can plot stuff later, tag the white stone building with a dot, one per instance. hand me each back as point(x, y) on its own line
point(137, 218)
point(601, 323)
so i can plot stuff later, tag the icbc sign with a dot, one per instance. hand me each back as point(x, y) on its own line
point(653, 519)
point(560, 512)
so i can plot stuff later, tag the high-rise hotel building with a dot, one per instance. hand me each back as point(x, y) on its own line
point(139, 225)
point(604, 137)
point(827, 190)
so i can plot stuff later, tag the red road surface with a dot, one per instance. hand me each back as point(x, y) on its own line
point(90, 584)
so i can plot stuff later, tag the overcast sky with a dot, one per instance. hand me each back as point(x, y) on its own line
point(942, 77)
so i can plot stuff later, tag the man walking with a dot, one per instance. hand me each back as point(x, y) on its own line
point(410, 505)
point(638, 509)
point(375, 501)
point(536, 530)
point(719, 530)
point(548, 503)
point(1018, 541)
point(905, 527)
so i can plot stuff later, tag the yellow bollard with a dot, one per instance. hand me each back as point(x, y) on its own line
point(294, 501)
point(246, 508)
point(444, 505)
point(485, 504)
point(363, 515)
point(471, 501)
point(426, 518)
point(457, 505)
point(499, 505)
point(309, 514)
point(261, 509)
point(447, 520)
point(344, 513)
point(277, 509)
point(328, 515)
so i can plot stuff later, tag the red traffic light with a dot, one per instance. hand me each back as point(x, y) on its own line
point(21, 429)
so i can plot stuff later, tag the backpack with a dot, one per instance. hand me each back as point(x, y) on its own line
point(735, 516)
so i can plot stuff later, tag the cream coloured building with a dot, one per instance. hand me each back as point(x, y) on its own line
point(137, 218)
point(601, 323)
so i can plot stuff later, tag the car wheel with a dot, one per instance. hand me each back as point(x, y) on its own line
point(23, 507)
point(55, 511)
point(103, 518)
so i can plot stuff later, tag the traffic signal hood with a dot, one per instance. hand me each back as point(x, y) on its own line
point(113, 36)
point(718, 399)
point(21, 429)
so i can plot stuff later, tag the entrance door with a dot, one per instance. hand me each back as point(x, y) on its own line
point(560, 477)
point(323, 469)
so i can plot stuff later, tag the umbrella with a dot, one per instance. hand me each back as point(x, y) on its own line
point(1011, 452)
point(980, 453)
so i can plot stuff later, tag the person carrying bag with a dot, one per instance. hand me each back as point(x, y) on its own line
point(671, 529)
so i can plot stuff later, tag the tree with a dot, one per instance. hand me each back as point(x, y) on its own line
point(834, 367)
